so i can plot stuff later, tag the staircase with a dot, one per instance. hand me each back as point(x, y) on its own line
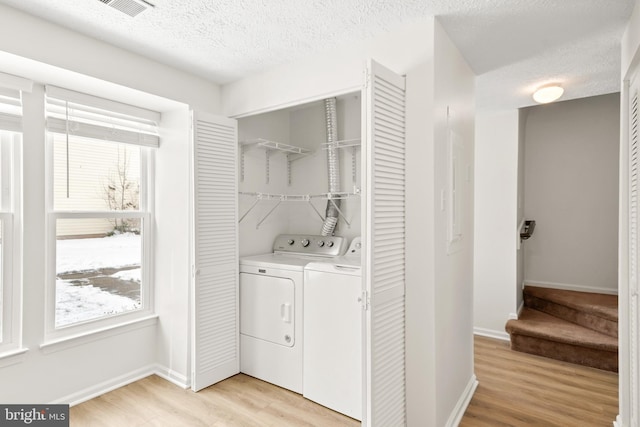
point(575, 327)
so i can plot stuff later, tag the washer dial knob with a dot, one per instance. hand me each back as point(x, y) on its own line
point(290, 242)
point(320, 243)
point(305, 242)
point(330, 244)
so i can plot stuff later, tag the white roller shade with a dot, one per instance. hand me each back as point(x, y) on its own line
point(75, 113)
point(10, 109)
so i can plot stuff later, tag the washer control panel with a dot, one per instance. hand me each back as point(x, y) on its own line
point(355, 248)
point(310, 244)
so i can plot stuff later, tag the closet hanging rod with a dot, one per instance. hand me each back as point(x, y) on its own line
point(280, 197)
point(294, 198)
point(335, 196)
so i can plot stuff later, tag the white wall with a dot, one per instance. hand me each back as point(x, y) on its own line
point(421, 205)
point(454, 89)
point(522, 120)
point(29, 37)
point(442, 315)
point(497, 216)
point(439, 287)
point(338, 71)
point(35, 49)
point(310, 174)
point(302, 126)
point(571, 189)
point(630, 47)
point(172, 242)
point(273, 126)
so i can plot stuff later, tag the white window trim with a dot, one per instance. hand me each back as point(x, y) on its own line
point(10, 213)
point(81, 330)
point(73, 340)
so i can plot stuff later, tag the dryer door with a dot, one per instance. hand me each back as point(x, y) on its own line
point(267, 308)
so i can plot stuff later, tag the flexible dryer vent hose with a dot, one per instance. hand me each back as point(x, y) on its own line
point(333, 164)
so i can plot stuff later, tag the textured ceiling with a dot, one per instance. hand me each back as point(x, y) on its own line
point(513, 46)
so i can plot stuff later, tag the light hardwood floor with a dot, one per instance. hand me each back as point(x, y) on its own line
point(516, 389)
point(240, 401)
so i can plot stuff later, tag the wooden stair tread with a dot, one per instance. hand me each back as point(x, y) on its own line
point(602, 305)
point(537, 324)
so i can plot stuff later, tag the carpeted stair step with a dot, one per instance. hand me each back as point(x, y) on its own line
point(598, 312)
point(539, 333)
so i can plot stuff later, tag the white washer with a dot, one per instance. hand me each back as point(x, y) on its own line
point(332, 367)
point(271, 307)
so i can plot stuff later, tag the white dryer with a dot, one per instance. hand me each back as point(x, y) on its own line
point(271, 307)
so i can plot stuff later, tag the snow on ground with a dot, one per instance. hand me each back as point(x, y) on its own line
point(80, 303)
point(135, 275)
point(76, 303)
point(92, 254)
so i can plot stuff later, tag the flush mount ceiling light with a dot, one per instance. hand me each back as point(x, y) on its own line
point(548, 93)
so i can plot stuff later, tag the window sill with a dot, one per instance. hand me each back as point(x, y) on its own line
point(57, 344)
point(12, 357)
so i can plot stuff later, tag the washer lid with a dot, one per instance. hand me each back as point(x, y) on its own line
point(282, 261)
point(349, 265)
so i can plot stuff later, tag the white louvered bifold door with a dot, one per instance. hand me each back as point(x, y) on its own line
point(634, 309)
point(215, 293)
point(384, 236)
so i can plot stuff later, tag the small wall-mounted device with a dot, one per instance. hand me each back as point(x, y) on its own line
point(527, 229)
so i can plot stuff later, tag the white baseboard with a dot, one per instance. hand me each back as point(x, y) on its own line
point(106, 386)
point(463, 403)
point(490, 333)
point(570, 287)
point(173, 376)
point(123, 380)
point(618, 422)
point(516, 316)
point(520, 309)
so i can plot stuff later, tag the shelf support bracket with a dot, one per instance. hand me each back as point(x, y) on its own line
point(268, 214)
point(249, 210)
point(340, 213)
point(316, 210)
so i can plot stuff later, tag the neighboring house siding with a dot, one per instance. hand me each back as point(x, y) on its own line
point(91, 165)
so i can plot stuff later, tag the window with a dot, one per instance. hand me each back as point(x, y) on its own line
point(99, 158)
point(10, 145)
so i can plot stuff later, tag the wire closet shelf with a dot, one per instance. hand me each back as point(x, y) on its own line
point(294, 153)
